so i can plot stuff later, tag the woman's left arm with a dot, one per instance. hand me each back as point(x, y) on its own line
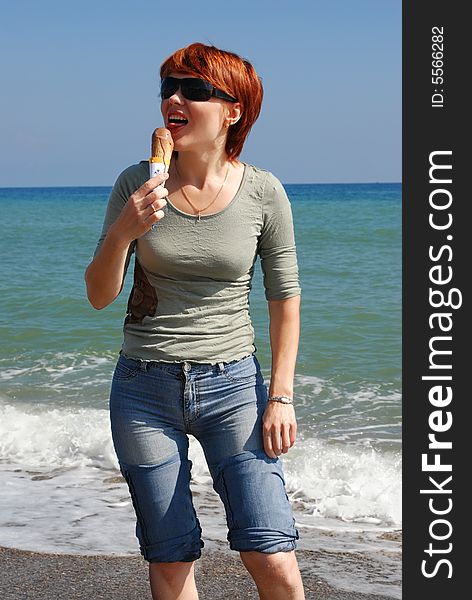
point(279, 423)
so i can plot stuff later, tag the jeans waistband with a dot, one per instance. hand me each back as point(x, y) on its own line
point(184, 366)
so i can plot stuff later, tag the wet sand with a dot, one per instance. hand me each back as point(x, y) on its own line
point(219, 575)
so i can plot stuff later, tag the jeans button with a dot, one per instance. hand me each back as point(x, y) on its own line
point(186, 367)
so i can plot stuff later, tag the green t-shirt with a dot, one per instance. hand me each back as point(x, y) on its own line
point(190, 298)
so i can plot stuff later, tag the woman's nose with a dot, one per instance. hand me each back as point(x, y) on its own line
point(176, 97)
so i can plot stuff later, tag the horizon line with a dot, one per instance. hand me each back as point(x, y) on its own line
point(31, 187)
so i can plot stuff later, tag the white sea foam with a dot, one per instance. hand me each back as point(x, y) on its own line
point(355, 483)
point(326, 480)
point(38, 437)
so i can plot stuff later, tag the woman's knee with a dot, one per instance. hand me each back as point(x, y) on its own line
point(172, 573)
point(278, 567)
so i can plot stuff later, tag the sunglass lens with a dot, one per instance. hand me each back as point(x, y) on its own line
point(192, 88)
point(169, 86)
point(197, 90)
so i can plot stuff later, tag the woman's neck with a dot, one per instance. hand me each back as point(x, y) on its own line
point(199, 168)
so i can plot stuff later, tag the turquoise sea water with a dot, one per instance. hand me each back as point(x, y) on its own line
point(57, 353)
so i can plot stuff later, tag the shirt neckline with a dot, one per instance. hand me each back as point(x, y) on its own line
point(215, 214)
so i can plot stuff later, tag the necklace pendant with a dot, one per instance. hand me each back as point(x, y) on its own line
point(184, 193)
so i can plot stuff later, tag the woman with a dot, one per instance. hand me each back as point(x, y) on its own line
point(188, 365)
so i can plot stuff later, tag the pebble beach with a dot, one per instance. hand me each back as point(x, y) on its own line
point(219, 576)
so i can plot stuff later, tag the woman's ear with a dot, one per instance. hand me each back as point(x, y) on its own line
point(234, 114)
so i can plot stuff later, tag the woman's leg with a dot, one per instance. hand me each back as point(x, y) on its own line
point(250, 484)
point(276, 576)
point(152, 449)
point(173, 581)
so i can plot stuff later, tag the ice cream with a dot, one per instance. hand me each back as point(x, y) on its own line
point(161, 151)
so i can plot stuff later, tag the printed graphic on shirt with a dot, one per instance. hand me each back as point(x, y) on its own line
point(142, 300)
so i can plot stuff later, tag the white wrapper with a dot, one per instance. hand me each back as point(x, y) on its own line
point(157, 168)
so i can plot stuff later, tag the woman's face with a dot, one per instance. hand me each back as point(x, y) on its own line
point(205, 127)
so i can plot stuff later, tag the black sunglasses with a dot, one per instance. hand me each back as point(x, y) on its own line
point(192, 88)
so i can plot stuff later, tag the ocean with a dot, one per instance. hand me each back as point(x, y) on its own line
point(61, 490)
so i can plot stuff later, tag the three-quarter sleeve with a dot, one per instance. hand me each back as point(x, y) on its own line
point(276, 245)
point(126, 184)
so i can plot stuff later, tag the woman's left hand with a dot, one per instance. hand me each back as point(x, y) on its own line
point(279, 428)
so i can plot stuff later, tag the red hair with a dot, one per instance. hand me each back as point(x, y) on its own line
point(231, 74)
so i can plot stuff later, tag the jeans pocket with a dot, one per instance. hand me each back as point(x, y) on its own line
point(241, 370)
point(126, 368)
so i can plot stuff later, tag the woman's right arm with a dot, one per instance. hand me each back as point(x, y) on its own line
point(104, 275)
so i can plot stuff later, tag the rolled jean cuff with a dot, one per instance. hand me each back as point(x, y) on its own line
point(185, 548)
point(259, 539)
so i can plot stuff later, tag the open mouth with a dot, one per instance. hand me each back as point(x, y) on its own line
point(176, 121)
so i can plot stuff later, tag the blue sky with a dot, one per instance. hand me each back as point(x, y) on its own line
point(80, 85)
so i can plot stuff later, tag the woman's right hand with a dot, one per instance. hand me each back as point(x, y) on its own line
point(141, 211)
point(104, 275)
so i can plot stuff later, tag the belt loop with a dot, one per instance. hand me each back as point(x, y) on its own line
point(221, 366)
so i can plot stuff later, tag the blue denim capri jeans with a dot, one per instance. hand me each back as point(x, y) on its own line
point(153, 408)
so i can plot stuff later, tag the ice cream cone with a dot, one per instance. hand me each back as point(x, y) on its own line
point(161, 151)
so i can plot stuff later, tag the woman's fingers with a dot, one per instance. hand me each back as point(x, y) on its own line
point(152, 204)
point(148, 187)
point(279, 429)
point(293, 433)
point(155, 195)
point(285, 438)
point(138, 216)
point(268, 445)
point(156, 216)
point(154, 207)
